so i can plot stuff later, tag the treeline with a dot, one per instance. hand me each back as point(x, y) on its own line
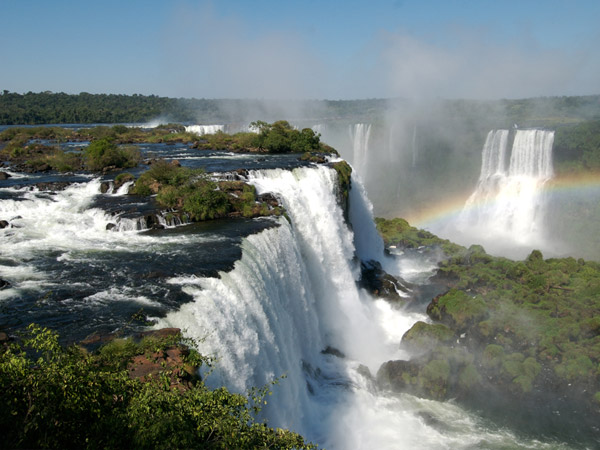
point(84, 108)
point(46, 107)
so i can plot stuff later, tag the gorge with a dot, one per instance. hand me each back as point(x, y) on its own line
point(268, 297)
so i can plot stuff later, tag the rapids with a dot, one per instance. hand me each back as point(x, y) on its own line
point(268, 298)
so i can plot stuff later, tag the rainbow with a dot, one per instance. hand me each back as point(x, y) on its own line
point(451, 207)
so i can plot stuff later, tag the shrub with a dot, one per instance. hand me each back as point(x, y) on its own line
point(104, 153)
point(55, 397)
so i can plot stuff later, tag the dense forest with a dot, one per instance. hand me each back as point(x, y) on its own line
point(84, 108)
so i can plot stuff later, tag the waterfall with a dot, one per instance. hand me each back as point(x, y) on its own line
point(292, 296)
point(204, 129)
point(414, 147)
point(360, 134)
point(507, 206)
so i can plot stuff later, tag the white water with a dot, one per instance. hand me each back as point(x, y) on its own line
point(506, 211)
point(64, 224)
point(292, 294)
point(360, 134)
point(201, 130)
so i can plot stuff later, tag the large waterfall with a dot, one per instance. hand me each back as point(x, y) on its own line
point(507, 207)
point(291, 307)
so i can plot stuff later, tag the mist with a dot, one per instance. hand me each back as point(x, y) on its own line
point(444, 91)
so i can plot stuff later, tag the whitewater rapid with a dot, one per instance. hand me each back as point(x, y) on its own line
point(291, 306)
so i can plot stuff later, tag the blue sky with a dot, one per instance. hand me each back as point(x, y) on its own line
point(303, 49)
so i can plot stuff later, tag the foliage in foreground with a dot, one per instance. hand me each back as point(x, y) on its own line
point(56, 397)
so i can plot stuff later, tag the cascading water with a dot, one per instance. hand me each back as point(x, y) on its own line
point(291, 306)
point(505, 213)
point(359, 135)
point(204, 129)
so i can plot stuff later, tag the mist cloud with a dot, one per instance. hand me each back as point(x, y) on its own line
point(469, 65)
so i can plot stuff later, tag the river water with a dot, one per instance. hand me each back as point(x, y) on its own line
point(267, 297)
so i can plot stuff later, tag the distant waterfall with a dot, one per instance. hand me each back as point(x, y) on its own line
point(507, 205)
point(204, 129)
point(414, 147)
point(360, 134)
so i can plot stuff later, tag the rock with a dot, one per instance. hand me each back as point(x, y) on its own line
point(242, 173)
point(333, 351)
point(110, 226)
point(4, 176)
point(4, 284)
point(162, 333)
point(53, 186)
point(457, 309)
point(269, 199)
point(423, 337)
point(3, 224)
point(104, 187)
point(397, 375)
point(175, 163)
point(380, 283)
point(4, 338)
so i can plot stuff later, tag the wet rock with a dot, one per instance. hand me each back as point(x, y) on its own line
point(3, 224)
point(4, 176)
point(53, 186)
point(397, 375)
point(161, 333)
point(4, 339)
point(381, 284)
point(110, 226)
point(242, 173)
point(333, 351)
point(269, 199)
point(4, 284)
point(175, 163)
point(104, 187)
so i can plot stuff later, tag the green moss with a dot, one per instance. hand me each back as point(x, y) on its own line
point(344, 171)
point(433, 378)
point(458, 309)
point(493, 356)
point(469, 378)
point(523, 383)
point(424, 336)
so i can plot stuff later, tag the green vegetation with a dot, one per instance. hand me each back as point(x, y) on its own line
point(577, 148)
point(56, 397)
point(400, 233)
point(276, 137)
point(47, 107)
point(344, 171)
point(193, 193)
point(104, 154)
point(529, 328)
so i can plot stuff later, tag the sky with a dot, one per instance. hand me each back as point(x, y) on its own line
point(288, 49)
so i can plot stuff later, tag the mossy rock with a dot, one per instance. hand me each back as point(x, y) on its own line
point(457, 309)
point(434, 379)
point(492, 356)
point(425, 336)
point(400, 376)
point(469, 378)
